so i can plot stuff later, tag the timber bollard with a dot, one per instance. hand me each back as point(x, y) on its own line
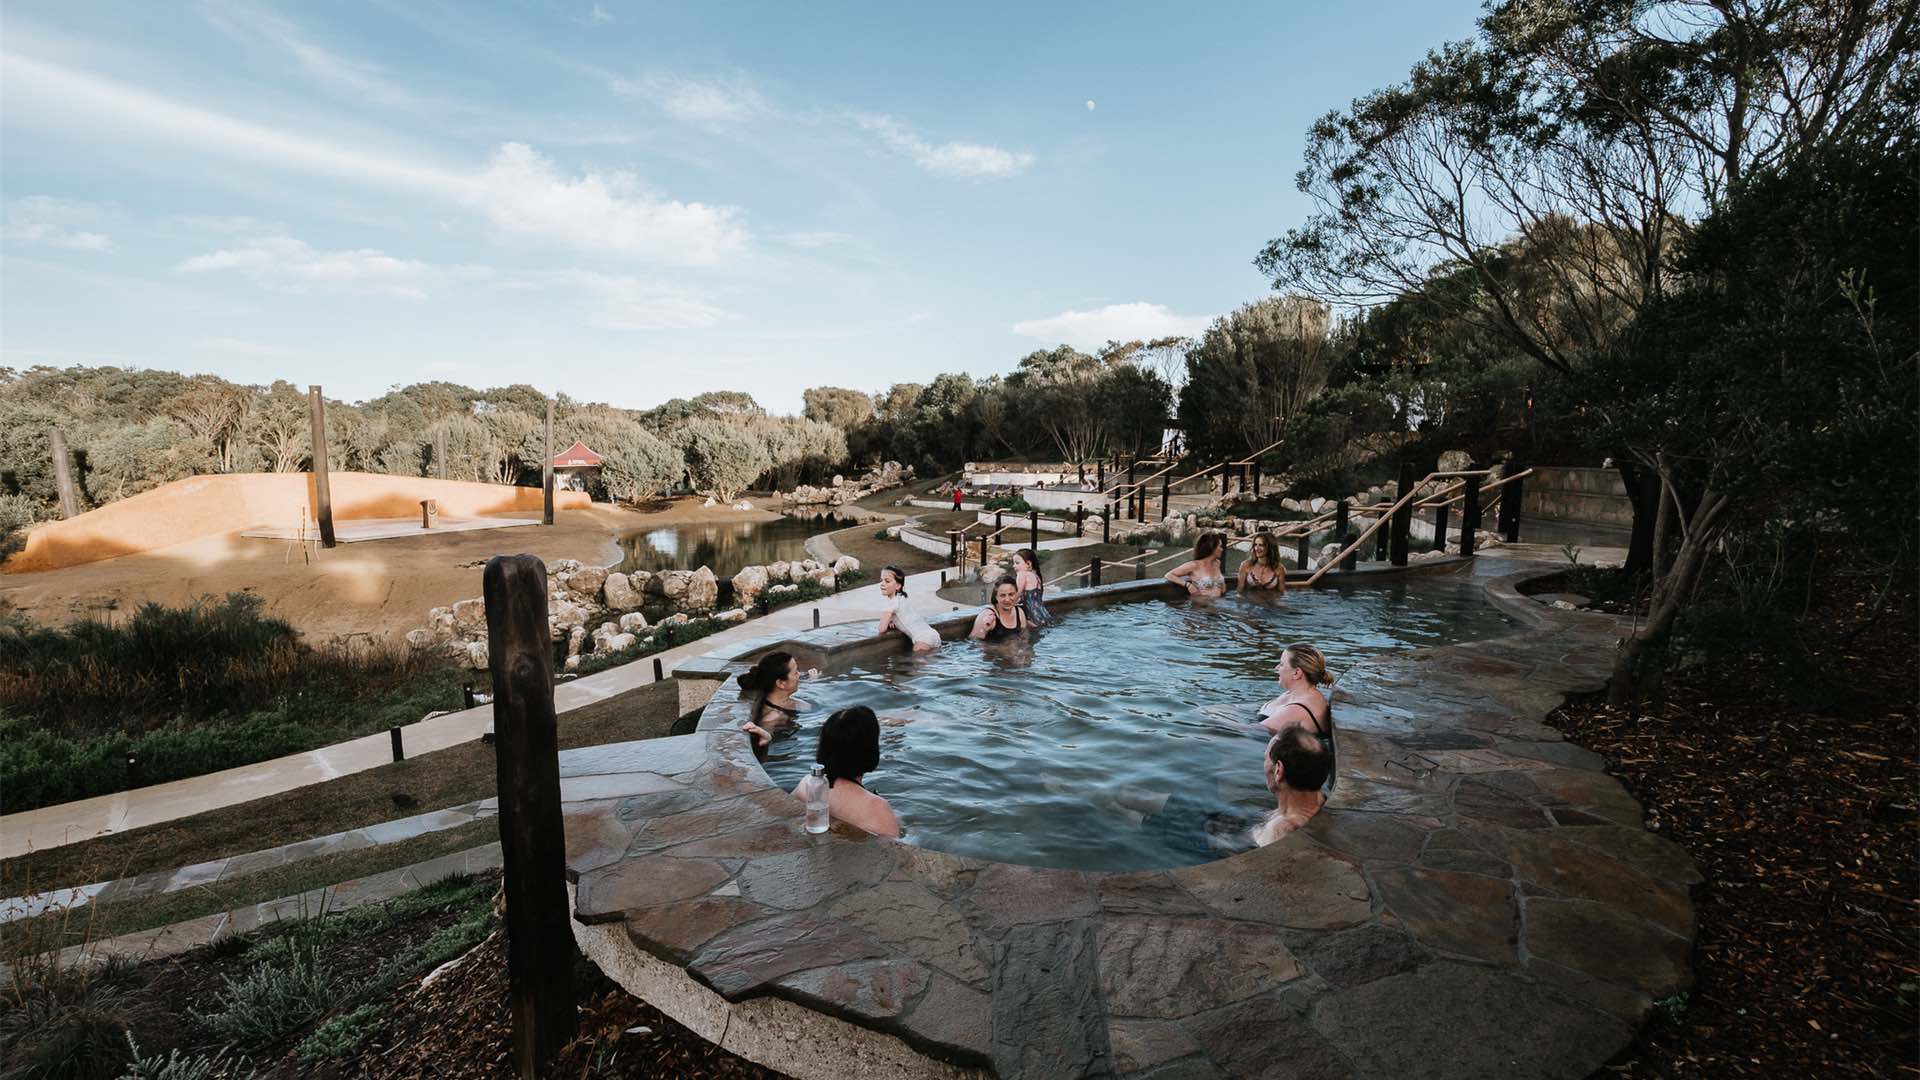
point(1380, 542)
point(1469, 516)
point(953, 547)
point(1510, 503)
point(1095, 569)
point(1140, 564)
point(1401, 527)
point(429, 512)
point(1079, 519)
point(659, 670)
point(133, 771)
point(1306, 544)
point(1256, 480)
point(983, 558)
point(1440, 528)
point(816, 618)
point(1340, 526)
point(399, 751)
point(1033, 529)
point(1166, 494)
point(1106, 526)
point(540, 948)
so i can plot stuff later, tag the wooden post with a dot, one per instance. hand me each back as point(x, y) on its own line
point(1139, 563)
point(63, 476)
point(546, 472)
point(1510, 503)
point(1096, 570)
point(1080, 518)
point(1440, 528)
point(1402, 518)
point(1033, 529)
point(659, 670)
point(322, 494)
point(540, 947)
point(1469, 516)
point(1256, 479)
point(1340, 523)
point(1380, 542)
point(983, 556)
point(1100, 474)
point(1306, 543)
point(440, 452)
point(1226, 474)
point(399, 751)
point(1106, 526)
point(953, 547)
point(1166, 493)
point(996, 523)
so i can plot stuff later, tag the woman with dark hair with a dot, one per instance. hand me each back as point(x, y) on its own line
point(1262, 570)
point(1026, 575)
point(1202, 575)
point(772, 681)
point(850, 749)
point(1002, 620)
point(900, 614)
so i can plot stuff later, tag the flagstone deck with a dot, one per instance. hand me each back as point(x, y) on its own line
point(1477, 899)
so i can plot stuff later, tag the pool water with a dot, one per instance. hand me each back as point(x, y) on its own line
point(1049, 754)
point(726, 547)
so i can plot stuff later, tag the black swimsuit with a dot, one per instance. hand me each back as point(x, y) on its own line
point(1314, 725)
point(1000, 631)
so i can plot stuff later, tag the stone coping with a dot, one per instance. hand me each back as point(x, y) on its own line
point(1480, 899)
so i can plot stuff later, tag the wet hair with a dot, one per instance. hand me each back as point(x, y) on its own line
point(1310, 662)
point(771, 669)
point(1033, 560)
point(897, 576)
point(1273, 549)
point(849, 744)
point(1306, 761)
point(993, 597)
point(1208, 544)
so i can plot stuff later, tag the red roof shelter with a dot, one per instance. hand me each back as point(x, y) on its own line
point(577, 456)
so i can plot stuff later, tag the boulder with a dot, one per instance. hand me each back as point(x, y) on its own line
point(675, 619)
point(780, 571)
point(565, 566)
point(845, 564)
point(822, 577)
point(703, 590)
point(477, 655)
point(711, 501)
point(673, 584)
point(470, 615)
point(632, 622)
point(573, 662)
point(616, 643)
point(749, 583)
point(732, 615)
point(1316, 504)
point(600, 635)
point(419, 639)
point(576, 640)
point(805, 566)
point(619, 593)
point(743, 505)
point(1455, 461)
point(587, 580)
point(838, 480)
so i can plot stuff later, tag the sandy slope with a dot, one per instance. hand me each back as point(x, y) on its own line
point(381, 588)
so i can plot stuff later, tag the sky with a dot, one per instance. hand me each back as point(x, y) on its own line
point(629, 202)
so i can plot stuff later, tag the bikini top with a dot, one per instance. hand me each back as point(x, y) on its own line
point(1253, 575)
point(792, 714)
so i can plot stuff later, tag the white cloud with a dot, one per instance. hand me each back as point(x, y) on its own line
point(1116, 322)
point(290, 265)
point(704, 103)
point(353, 78)
point(521, 192)
point(41, 219)
point(599, 15)
point(814, 238)
point(1090, 105)
point(949, 158)
point(624, 301)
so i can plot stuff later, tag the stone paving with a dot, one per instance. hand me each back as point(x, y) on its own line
point(1477, 899)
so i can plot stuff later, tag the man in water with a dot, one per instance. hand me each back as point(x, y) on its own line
point(1298, 764)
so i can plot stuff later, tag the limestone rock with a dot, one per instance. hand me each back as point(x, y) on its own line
point(469, 615)
point(732, 615)
point(587, 580)
point(632, 622)
point(419, 639)
point(1316, 504)
point(477, 655)
point(564, 566)
point(780, 571)
point(563, 616)
point(822, 577)
point(1455, 461)
point(845, 564)
point(619, 593)
point(808, 566)
point(673, 585)
point(749, 583)
point(675, 619)
point(573, 662)
point(838, 480)
point(576, 638)
point(703, 590)
point(616, 643)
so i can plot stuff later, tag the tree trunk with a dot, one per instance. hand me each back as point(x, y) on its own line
point(1631, 682)
point(1643, 491)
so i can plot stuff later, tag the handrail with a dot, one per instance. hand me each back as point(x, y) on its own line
point(1250, 459)
point(1409, 496)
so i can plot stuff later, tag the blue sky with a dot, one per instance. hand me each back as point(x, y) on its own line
point(630, 202)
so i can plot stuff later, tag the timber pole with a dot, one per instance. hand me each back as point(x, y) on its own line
point(440, 452)
point(546, 472)
point(1399, 529)
point(322, 493)
point(1469, 516)
point(540, 948)
point(63, 476)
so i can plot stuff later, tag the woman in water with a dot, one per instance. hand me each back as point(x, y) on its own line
point(1202, 575)
point(1302, 671)
point(1002, 620)
point(900, 614)
point(1027, 577)
point(773, 681)
point(850, 749)
point(1262, 569)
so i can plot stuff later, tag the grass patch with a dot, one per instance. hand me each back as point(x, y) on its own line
point(450, 777)
point(97, 708)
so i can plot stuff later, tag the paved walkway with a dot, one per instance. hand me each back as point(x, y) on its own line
point(71, 823)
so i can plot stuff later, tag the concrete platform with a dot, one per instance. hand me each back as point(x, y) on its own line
point(354, 532)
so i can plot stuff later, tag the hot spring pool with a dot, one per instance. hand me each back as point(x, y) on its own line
point(1025, 754)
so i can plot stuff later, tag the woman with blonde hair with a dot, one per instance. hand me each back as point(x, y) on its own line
point(1262, 569)
point(1302, 671)
point(1202, 575)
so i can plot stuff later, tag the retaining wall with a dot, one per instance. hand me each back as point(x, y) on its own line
point(1559, 493)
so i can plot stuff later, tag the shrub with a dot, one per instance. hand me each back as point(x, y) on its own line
point(63, 1021)
point(342, 1034)
point(658, 639)
point(178, 1066)
point(1016, 504)
point(18, 513)
point(289, 987)
point(722, 458)
point(641, 467)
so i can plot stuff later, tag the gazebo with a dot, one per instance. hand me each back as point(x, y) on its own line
point(574, 467)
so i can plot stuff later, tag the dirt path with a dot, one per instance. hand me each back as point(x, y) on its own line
point(380, 588)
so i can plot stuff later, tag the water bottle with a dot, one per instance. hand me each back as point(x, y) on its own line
point(813, 790)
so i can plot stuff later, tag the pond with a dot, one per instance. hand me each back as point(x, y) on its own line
point(727, 547)
point(1049, 754)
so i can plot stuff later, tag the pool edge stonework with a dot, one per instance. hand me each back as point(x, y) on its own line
point(1478, 898)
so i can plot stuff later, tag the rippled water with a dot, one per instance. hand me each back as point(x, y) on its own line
point(726, 547)
point(1027, 754)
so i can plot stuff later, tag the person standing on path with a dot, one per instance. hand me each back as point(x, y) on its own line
point(957, 493)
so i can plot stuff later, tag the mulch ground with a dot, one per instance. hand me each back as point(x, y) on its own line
point(1803, 822)
point(460, 1028)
